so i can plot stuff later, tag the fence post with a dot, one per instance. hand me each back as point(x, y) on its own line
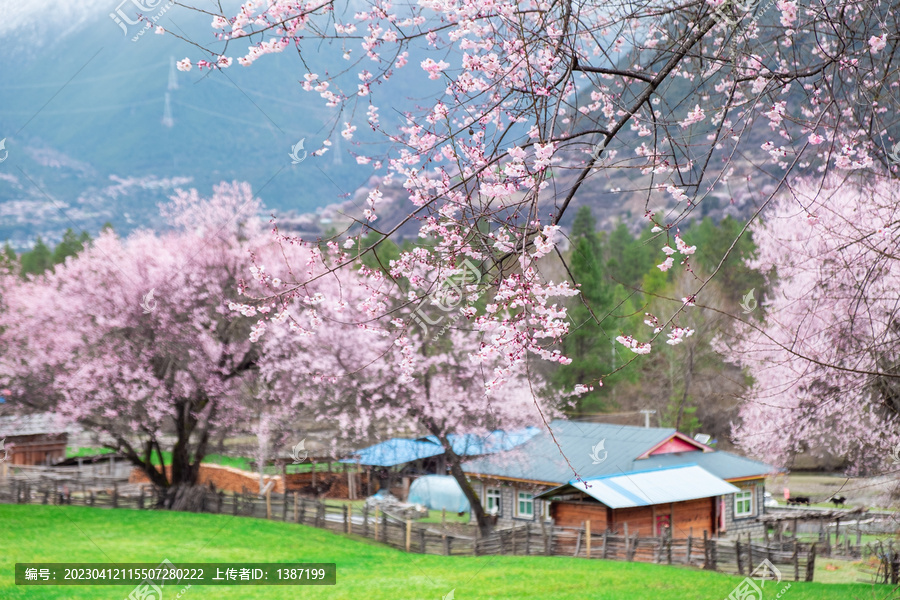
point(408, 533)
point(294, 495)
point(446, 545)
point(346, 522)
point(544, 537)
point(422, 541)
point(320, 517)
point(750, 562)
point(706, 560)
point(627, 540)
point(737, 552)
point(796, 559)
point(669, 544)
point(713, 554)
point(527, 539)
point(284, 503)
point(587, 539)
point(895, 566)
point(234, 504)
point(365, 520)
point(384, 526)
point(578, 542)
point(605, 542)
point(92, 497)
point(349, 518)
point(376, 522)
point(690, 543)
point(115, 498)
point(811, 564)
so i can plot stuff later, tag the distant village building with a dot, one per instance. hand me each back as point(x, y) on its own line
point(38, 439)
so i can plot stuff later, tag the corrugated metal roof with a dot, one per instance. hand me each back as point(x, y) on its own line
point(35, 424)
point(398, 451)
point(643, 488)
point(539, 459)
point(721, 464)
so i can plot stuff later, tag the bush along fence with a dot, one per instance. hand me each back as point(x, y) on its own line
point(795, 560)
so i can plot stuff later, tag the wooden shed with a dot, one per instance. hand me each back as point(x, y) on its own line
point(38, 439)
point(671, 500)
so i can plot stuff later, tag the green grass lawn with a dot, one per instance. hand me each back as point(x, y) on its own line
point(365, 570)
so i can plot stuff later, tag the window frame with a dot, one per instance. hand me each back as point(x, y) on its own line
point(489, 495)
point(518, 513)
point(745, 495)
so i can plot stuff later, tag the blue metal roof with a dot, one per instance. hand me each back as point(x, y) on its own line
point(644, 488)
point(398, 451)
point(540, 459)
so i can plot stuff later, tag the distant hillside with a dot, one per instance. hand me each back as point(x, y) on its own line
point(101, 128)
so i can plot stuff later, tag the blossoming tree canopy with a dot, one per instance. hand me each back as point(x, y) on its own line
point(824, 363)
point(133, 339)
point(525, 103)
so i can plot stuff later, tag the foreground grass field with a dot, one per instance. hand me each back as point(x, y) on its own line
point(365, 570)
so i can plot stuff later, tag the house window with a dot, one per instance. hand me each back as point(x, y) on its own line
point(492, 500)
point(743, 503)
point(525, 505)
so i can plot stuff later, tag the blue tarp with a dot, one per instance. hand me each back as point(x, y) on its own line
point(469, 444)
point(438, 492)
point(398, 451)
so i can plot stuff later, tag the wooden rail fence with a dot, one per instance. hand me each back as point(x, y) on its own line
point(796, 561)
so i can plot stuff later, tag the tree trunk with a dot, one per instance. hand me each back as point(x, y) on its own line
point(485, 524)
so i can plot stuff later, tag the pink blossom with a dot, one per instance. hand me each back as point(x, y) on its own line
point(877, 43)
point(433, 68)
point(694, 116)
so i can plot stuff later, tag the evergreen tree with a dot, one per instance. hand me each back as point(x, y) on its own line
point(597, 318)
point(38, 259)
point(70, 245)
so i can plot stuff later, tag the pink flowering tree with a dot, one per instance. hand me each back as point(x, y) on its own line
point(358, 365)
point(524, 105)
point(134, 340)
point(824, 361)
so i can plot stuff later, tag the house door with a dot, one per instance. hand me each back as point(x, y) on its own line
point(663, 523)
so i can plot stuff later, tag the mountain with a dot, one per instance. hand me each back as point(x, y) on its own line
point(100, 125)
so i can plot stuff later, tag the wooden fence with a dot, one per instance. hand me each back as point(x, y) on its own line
point(795, 560)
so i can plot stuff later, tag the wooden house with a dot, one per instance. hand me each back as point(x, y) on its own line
point(677, 500)
point(512, 484)
point(38, 439)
